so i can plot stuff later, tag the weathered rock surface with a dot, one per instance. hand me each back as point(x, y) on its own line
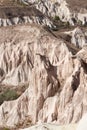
point(68, 11)
point(50, 9)
point(77, 37)
point(52, 127)
point(57, 82)
point(82, 123)
point(22, 15)
point(54, 66)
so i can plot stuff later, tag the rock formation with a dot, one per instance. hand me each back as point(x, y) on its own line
point(57, 81)
point(19, 15)
point(49, 9)
point(82, 123)
point(53, 64)
point(77, 37)
point(65, 9)
point(52, 127)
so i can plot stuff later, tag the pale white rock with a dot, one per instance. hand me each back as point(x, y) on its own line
point(82, 17)
point(55, 8)
point(82, 54)
point(82, 125)
point(51, 127)
point(51, 8)
point(77, 37)
point(49, 111)
point(15, 20)
point(64, 12)
point(27, 19)
point(57, 81)
point(63, 9)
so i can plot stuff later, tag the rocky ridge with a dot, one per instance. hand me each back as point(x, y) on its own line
point(50, 65)
point(64, 9)
point(19, 15)
point(49, 9)
point(57, 80)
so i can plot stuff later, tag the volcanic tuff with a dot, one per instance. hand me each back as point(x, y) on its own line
point(19, 15)
point(45, 62)
point(57, 81)
point(69, 11)
point(46, 126)
point(43, 12)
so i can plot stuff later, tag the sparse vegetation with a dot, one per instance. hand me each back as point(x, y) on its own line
point(8, 92)
point(25, 123)
point(8, 95)
point(6, 129)
point(66, 24)
point(56, 18)
point(79, 22)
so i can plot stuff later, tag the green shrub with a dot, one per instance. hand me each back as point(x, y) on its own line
point(66, 24)
point(8, 95)
point(6, 129)
point(57, 18)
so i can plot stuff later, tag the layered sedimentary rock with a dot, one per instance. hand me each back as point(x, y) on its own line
point(57, 78)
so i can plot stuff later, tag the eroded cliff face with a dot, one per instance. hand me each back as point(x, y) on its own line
point(12, 15)
point(77, 37)
point(43, 12)
point(68, 11)
point(57, 79)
